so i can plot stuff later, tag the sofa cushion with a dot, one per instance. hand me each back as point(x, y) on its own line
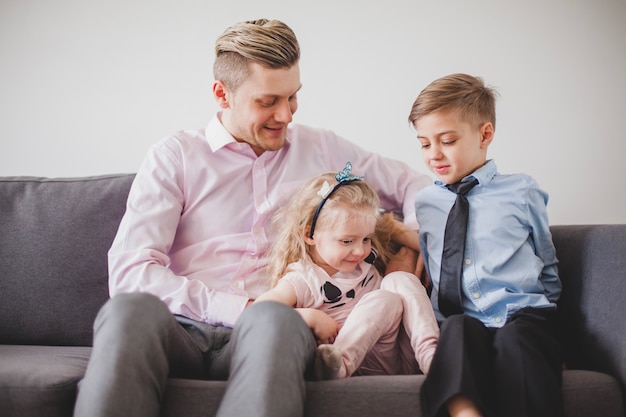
point(585, 393)
point(40, 380)
point(389, 396)
point(53, 246)
point(589, 393)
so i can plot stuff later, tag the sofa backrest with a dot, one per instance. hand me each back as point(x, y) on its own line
point(54, 238)
point(592, 308)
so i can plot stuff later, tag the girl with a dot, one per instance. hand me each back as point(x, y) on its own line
point(324, 262)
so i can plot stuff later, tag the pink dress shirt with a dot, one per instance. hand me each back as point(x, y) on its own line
point(196, 228)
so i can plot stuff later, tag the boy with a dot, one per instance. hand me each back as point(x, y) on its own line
point(497, 353)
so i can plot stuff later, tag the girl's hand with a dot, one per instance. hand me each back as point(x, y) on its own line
point(324, 328)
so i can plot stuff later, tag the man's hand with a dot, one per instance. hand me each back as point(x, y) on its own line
point(405, 260)
point(422, 273)
point(408, 260)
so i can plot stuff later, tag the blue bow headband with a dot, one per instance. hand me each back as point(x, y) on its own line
point(343, 177)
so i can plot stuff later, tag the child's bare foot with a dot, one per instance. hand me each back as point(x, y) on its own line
point(461, 406)
point(328, 362)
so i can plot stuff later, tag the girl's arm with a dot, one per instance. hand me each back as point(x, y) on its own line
point(283, 292)
point(321, 324)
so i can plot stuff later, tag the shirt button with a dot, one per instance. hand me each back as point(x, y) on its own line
point(476, 295)
point(468, 262)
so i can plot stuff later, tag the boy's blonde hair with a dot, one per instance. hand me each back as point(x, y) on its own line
point(293, 221)
point(270, 43)
point(467, 94)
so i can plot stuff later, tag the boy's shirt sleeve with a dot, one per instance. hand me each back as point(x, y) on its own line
point(542, 241)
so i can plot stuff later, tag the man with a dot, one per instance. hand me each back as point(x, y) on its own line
point(189, 256)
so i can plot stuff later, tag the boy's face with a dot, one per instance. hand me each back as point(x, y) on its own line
point(451, 147)
point(260, 110)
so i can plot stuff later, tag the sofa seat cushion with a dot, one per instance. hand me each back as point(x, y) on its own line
point(585, 393)
point(387, 396)
point(40, 380)
point(589, 393)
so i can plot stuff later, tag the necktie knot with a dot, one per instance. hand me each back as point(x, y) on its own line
point(462, 187)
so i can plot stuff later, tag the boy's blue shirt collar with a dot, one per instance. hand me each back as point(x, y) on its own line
point(484, 174)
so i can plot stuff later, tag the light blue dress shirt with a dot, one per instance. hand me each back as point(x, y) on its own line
point(510, 261)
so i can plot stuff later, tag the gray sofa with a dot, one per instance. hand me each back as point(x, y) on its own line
point(54, 236)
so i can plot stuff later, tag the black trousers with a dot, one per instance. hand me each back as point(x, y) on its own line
point(510, 371)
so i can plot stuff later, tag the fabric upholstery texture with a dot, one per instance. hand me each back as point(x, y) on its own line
point(55, 234)
point(592, 306)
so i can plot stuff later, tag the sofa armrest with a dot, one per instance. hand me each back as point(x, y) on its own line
point(592, 267)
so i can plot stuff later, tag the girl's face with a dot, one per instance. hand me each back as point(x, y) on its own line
point(340, 247)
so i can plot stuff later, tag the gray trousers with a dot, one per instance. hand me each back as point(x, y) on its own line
point(138, 344)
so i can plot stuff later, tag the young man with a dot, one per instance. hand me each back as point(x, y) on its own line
point(497, 353)
point(190, 253)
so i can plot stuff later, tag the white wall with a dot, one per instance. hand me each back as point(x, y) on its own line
point(86, 87)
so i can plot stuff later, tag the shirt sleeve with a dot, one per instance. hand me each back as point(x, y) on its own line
point(138, 258)
point(542, 240)
point(307, 287)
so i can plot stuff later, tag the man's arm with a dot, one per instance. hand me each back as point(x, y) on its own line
point(139, 256)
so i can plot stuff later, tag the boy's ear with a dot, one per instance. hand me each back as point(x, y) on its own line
point(486, 134)
point(220, 93)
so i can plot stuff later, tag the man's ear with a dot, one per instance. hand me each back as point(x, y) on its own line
point(221, 94)
point(486, 134)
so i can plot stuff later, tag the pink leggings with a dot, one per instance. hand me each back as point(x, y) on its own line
point(390, 331)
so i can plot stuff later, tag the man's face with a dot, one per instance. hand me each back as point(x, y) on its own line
point(260, 110)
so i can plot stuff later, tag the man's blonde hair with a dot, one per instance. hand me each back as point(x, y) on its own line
point(475, 102)
point(270, 43)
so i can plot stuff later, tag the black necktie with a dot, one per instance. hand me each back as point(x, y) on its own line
point(453, 250)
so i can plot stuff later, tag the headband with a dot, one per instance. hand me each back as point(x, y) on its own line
point(344, 178)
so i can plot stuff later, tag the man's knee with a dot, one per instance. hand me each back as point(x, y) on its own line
point(270, 314)
point(129, 310)
point(273, 323)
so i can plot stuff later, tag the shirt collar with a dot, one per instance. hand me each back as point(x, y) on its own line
point(484, 174)
point(217, 135)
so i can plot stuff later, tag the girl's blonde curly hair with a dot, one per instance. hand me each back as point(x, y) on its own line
point(293, 221)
